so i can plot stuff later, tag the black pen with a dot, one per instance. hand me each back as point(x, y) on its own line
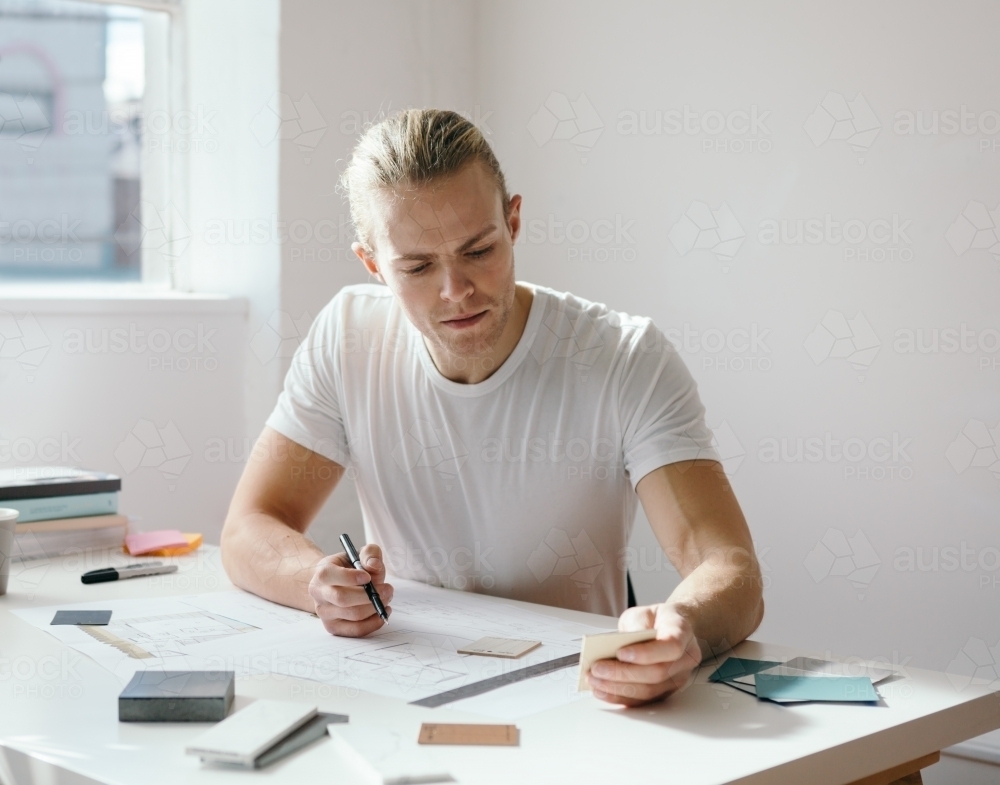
point(352, 554)
point(128, 571)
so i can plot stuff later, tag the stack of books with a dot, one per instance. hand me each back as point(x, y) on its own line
point(62, 510)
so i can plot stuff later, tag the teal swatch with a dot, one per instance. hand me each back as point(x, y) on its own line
point(815, 688)
point(734, 667)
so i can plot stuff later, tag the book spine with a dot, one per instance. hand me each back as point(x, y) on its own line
point(37, 545)
point(44, 490)
point(72, 524)
point(63, 506)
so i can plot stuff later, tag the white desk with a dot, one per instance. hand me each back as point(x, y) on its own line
point(59, 718)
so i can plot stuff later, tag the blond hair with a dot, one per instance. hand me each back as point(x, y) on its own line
point(411, 149)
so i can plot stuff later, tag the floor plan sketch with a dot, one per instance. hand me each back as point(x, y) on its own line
point(148, 637)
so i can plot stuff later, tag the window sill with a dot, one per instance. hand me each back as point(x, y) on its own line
point(103, 298)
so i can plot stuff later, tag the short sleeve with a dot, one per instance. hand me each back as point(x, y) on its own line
point(309, 408)
point(662, 417)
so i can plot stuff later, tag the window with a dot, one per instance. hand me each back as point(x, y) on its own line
point(73, 98)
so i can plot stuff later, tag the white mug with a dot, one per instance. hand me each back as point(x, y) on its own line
point(8, 520)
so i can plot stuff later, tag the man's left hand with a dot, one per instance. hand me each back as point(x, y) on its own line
point(649, 671)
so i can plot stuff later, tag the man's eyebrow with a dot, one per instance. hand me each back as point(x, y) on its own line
point(424, 257)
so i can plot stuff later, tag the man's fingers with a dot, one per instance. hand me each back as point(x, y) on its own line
point(610, 670)
point(652, 651)
point(351, 629)
point(642, 617)
point(354, 596)
point(628, 690)
point(372, 561)
point(632, 693)
point(337, 571)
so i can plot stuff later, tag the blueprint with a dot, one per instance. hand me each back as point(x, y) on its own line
point(157, 632)
point(413, 657)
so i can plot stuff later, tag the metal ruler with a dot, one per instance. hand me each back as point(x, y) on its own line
point(479, 687)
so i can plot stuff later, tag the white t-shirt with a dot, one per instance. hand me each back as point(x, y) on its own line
point(521, 486)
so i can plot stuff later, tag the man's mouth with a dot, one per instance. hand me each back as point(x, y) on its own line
point(465, 320)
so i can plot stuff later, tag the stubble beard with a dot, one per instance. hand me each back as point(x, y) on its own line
point(479, 344)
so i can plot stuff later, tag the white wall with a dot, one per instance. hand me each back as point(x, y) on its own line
point(149, 388)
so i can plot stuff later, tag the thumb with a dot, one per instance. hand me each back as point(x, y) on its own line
point(372, 562)
point(642, 617)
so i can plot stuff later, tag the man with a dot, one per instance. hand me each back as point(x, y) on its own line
point(499, 433)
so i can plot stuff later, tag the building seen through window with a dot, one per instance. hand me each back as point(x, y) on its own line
point(72, 79)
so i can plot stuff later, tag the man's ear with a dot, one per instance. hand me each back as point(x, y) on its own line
point(368, 261)
point(514, 217)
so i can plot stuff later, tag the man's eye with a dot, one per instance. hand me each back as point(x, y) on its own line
point(417, 270)
point(480, 252)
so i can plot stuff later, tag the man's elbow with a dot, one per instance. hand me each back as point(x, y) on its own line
point(228, 550)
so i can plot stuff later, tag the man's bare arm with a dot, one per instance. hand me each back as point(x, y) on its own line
point(264, 548)
point(698, 523)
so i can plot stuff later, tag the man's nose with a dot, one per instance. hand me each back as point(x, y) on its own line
point(456, 285)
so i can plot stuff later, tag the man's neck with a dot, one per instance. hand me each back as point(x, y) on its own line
point(479, 368)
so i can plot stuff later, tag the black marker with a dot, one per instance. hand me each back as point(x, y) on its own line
point(352, 554)
point(128, 571)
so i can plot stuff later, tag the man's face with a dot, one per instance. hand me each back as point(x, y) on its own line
point(447, 253)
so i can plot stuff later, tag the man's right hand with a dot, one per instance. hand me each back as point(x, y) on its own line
point(338, 591)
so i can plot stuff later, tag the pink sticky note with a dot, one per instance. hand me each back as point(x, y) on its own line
point(144, 542)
